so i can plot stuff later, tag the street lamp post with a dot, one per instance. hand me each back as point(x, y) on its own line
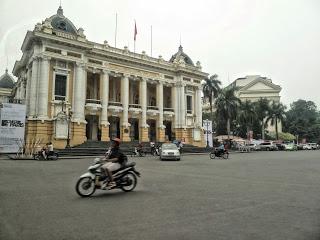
point(206, 122)
point(69, 115)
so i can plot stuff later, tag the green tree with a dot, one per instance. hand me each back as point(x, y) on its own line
point(276, 114)
point(227, 104)
point(261, 107)
point(211, 89)
point(247, 115)
point(303, 120)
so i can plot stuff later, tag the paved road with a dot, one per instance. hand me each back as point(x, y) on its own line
point(263, 195)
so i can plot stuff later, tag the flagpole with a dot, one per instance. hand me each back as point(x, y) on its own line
point(115, 33)
point(135, 36)
point(151, 40)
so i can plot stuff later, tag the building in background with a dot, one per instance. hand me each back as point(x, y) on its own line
point(6, 86)
point(254, 87)
point(81, 90)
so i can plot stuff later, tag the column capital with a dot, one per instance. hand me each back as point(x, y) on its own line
point(106, 71)
point(44, 57)
point(180, 84)
point(199, 87)
point(81, 65)
point(125, 75)
point(35, 58)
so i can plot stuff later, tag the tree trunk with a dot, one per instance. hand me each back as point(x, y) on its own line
point(277, 134)
point(262, 130)
point(228, 128)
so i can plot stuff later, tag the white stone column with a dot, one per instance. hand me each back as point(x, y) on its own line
point(79, 93)
point(174, 96)
point(33, 87)
point(180, 113)
point(198, 106)
point(125, 99)
point(160, 102)
point(105, 97)
point(43, 88)
point(28, 90)
point(143, 101)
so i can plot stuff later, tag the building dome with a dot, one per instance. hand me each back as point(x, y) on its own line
point(61, 23)
point(181, 55)
point(6, 81)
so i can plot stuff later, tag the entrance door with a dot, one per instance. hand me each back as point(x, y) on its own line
point(168, 130)
point(134, 129)
point(152, 130)
point(114, 128)
point(92, 127)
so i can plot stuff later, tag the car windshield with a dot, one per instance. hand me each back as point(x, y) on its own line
point(170, 146)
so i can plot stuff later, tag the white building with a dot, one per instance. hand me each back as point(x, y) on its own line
point(254, 87)
point(110, 92)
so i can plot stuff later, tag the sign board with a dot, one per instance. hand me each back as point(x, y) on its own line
point(196, 134)
point(207, 126)
point(12, 125)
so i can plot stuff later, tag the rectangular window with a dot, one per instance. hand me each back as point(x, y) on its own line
point(189, 104)
point(60, 87)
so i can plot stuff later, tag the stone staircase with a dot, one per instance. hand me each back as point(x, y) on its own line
point(98, 148)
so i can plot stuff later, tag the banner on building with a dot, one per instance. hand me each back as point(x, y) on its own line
point(12, 125)
point(207, 126)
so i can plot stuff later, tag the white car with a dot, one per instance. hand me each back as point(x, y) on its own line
point(169, 151)
point(313, 146)
point(306, 147)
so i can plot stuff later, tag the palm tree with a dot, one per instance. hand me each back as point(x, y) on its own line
point(262, 108)
point(276, 113)
point(227, 104)
point(247, 114)
point(211, 89)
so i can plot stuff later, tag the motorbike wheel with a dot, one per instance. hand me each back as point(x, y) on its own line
point(85, 187)
point(225, 155)
point(55, 156)
point(128, 182)
point(212, 155)
point(36, 157)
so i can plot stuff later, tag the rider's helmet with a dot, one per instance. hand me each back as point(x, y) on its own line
point(117, 141)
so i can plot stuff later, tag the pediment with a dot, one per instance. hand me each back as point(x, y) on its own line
point(261, 85)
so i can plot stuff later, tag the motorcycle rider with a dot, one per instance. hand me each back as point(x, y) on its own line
point(153, 147)
point(114, 161)
point(139, 149)
point(220, 149)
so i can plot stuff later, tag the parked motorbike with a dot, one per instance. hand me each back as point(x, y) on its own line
point(138, 153)
point(125, 178)
point(219, 153)
point(49, 157)
point(155, 151)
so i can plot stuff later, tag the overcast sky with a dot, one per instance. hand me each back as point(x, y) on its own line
point(278, 39)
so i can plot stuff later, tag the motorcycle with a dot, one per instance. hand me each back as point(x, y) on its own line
point(39, 156)
point(138, 153)
point(125, 178)
point(155, 151)
point(218, 153)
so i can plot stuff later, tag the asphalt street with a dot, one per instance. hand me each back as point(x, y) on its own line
point(262, 195)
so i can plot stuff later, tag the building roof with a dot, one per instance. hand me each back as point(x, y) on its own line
point(61, 23)
point(6, 81)
point(181, 55)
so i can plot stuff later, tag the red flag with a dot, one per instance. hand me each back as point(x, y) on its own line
point(135, 30)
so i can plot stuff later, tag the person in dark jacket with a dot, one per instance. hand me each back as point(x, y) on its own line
point(114, 161)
